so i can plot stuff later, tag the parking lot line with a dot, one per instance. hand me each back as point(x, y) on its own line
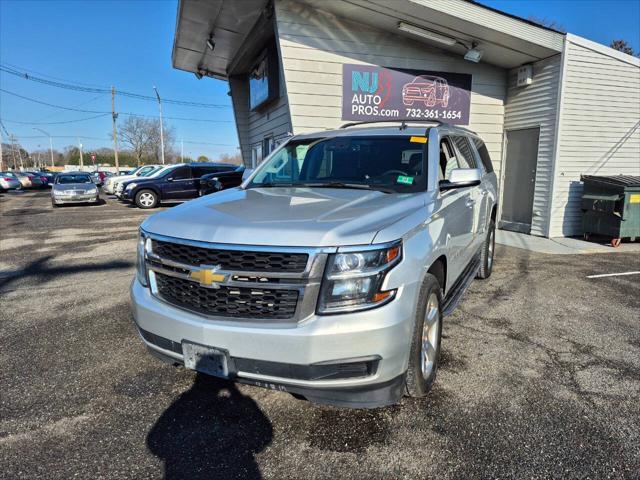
point(613, 274)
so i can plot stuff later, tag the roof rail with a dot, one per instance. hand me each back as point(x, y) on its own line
point(403, 123)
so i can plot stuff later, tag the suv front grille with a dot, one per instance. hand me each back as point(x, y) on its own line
point(246, 261)
point(241, 302)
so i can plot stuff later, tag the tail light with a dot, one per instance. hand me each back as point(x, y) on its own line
point(7, 179)
point(30, 177)
point(44, 179)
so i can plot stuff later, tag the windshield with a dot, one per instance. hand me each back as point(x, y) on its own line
point(386, 163)
point(146, 173)
point(73, 179)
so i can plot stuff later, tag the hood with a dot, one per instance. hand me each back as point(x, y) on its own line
point(74, 186)
point(306, 217)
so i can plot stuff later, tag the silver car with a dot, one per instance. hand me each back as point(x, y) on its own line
point(8, 181)
point(74, 187)
point(110, 183)
point(328, 272)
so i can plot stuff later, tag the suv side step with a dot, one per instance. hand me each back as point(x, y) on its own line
point(455, 293)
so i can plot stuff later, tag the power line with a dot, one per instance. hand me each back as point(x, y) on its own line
point(80, 88)
point(109, 113)
point(57, 123)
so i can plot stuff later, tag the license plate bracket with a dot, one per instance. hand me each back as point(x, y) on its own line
point(205, 359)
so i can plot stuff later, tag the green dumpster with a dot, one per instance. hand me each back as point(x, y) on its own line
point(611, 207)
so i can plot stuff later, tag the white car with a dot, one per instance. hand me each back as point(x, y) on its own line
point(119, 187)
point(109, 185)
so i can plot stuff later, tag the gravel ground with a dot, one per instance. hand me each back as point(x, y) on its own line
point(540, 375)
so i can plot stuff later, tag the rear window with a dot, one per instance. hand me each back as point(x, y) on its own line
point(484, 155)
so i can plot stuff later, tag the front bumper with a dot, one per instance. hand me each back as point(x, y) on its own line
point(65, 199)
point(382, 334)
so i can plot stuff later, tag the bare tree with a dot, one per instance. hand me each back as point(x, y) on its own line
point(233, 159)
point(622, 46)
point(155, 145)
point(136, 133)
point(545, 22)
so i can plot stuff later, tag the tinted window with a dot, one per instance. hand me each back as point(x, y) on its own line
point(484, 155)
point(466, 159)
point(200, 171)
point(181, 173)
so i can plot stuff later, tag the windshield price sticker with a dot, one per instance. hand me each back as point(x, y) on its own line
point(404, 180)
point(418, 139)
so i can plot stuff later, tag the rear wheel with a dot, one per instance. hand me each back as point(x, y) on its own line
point(424, 355)
point(146, 199)
point(488, 249)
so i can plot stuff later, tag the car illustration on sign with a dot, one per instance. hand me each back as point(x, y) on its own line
point(429, 89)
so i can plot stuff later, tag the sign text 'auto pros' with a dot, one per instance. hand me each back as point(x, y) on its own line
point(377, 93)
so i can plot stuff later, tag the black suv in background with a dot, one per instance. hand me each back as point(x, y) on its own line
point(214, 182)
point(177, 183)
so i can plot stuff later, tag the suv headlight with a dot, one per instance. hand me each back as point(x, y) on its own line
point(144, 247)
point(353, 280)
point(131, 186)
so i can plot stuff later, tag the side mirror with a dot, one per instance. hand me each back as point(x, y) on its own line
point(170, 179)
point(461, 178)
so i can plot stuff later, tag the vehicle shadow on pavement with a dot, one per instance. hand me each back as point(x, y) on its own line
point(38, 268)
point(211, 431)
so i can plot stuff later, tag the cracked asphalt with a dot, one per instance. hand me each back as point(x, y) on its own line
point(540, 375)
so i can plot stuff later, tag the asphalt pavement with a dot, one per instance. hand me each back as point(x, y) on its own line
point(540, 375)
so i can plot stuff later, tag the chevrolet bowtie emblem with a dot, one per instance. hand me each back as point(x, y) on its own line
point(208, 277)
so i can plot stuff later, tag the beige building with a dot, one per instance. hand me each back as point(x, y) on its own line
point(550, 106)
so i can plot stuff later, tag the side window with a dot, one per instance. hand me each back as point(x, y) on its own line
point(466, 159)
point(448, 160)
point(182, 173)
point(484, 155)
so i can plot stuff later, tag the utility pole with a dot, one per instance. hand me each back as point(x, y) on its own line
point(1, 157)
point(50, 143)
point(13, 145)
point(114, 115)
point(161, 127)
point(182, 150)
point(81, 162)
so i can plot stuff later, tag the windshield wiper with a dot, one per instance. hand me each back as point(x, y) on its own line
point(359, 186)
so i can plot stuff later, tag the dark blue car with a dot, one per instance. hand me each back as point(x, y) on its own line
point(181, 182)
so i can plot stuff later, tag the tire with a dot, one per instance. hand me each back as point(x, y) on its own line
point(146, 199)
point(53, 204)
point(488, 252)
point(424, 355)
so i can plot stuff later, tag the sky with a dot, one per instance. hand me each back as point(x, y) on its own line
point(128, 44)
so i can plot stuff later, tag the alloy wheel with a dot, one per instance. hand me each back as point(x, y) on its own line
point(430, 336)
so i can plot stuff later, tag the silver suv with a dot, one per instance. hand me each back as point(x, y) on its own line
point(327, 272)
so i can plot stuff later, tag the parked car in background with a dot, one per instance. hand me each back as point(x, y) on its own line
point(182, 182)
point(153, 174)
point(125, 172)
point(50, 176)
point(8, 181)
point(99, 177)
point(28, 180)
point(110, 184)
point(120, 182)
point(74, 187)
point(215, 182)
point(44, 181)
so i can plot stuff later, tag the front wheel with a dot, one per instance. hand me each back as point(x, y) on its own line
point(146, 199)
point(424, 355)
point(488, 249)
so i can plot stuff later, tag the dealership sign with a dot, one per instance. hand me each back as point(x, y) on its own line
point(377, 93)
